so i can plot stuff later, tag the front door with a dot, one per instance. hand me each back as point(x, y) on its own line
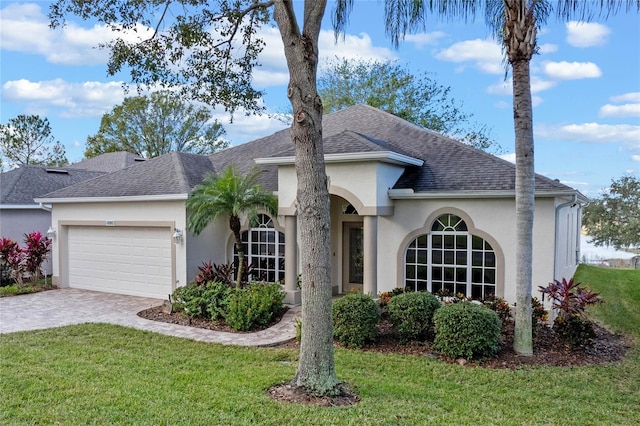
point(353, 257)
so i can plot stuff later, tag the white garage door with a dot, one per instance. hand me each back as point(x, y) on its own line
point(124, 260)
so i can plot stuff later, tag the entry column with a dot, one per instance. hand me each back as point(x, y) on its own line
point(370, 237)
point(291, 289)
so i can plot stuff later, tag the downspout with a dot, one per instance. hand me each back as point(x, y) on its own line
point(574, 201)
point(45, 207)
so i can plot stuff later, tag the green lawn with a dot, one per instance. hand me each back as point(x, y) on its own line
point(104, 374)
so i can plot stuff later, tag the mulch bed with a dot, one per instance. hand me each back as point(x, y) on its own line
point(157, 314)
point(549, 350)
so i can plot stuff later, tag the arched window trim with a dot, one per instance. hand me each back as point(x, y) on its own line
point(467, 266)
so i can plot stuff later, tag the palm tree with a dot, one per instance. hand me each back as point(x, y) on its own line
point(232, 195)
point(515, 24)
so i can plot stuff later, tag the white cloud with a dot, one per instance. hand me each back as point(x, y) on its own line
point(83, 99)
point(636, 157)
point(510, 157)
point(593, 133)
point(630, 106)
point(274, 72)
point(586, 34)
point(248, 127)
point(486, 55)
point(503, 88)
point(24, 28)
point(424, 39)
point(506, 87)
point(352, 47)
point(626, 110)
point(626, 97)
point(536, 100)
point(547, 48)
point(571, 70)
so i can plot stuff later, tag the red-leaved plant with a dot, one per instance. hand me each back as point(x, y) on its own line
point(569, 297)
point(14, 257)
point(571, 301)
point(36, 250)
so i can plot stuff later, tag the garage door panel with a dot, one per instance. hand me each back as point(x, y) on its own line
point(134, 261)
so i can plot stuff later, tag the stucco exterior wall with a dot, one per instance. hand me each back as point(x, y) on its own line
point(14, 223)
point(492, 219)
point(123, 213)
point(364, 184)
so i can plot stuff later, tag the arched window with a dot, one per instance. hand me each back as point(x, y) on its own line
point(264, 250)
point(449, 260)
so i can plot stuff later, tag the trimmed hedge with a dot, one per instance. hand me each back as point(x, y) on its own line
point(242, 308)
point(412, 314)
point(467, 330)
point(355, 319)
point(254, 306)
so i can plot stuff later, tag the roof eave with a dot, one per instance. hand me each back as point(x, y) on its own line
point(402, 194)
point(120, 199)
point(381, 156)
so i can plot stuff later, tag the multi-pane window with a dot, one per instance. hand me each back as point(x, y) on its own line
point(450, 260)
point(264, 251)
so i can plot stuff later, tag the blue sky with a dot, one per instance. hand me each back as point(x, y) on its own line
point(585, 81)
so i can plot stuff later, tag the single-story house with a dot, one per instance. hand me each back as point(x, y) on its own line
point(409, 207)
point(20, 214)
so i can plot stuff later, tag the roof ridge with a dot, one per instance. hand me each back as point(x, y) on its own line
point(181, 173)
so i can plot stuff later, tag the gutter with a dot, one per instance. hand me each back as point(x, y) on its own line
point(45, 207)
point(574, 201)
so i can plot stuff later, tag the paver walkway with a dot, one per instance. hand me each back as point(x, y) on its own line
point(56, 308)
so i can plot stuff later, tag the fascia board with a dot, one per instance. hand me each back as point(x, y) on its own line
point(124, 199)
point(382, 156)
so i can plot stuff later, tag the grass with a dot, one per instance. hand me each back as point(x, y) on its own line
point(26, 288)
point(104, 374)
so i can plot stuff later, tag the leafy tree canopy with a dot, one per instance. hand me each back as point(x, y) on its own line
point(27, 139)
point(389, 86)
point(157, 124)
point(614, 217)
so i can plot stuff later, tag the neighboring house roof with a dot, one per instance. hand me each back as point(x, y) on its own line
point(108, 163)
point(173, 173)
point(442, 164)
point(20, 186)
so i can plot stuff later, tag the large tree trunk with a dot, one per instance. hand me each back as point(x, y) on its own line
point(520, 42)
point(316, 369)
point(525, 205)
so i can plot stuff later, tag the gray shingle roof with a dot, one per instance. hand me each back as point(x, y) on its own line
point(173, 173)
point(20, 186)
point(108, 163)
point(449, 166)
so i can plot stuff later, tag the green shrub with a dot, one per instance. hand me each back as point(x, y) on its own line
point(190, 300)
point(254, 305)
point(575, 329)
point(466, 330)
point(202, 301)
point(499, 305)
point(216, 295)
point(355, 319)
point(412, 314)
point(538, 313)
